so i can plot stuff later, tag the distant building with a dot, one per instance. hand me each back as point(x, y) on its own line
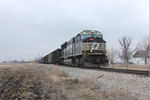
point(140, 56)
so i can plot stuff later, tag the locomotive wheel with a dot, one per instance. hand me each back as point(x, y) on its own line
point(98, 67)
point(79, 62)
point(73, 61)
point(83, 65)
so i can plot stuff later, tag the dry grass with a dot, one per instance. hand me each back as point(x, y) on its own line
point(37, 82)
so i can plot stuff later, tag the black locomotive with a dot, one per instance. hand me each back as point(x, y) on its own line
point(87, 49)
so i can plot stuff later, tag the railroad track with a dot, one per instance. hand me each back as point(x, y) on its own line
point(126, 71)
point(136, 72)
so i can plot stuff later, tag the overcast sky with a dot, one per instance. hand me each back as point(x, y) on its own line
point(29, 28)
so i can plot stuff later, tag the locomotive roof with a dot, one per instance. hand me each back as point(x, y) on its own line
point(90, 32)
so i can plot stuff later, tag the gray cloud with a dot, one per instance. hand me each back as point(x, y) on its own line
point(32, 27)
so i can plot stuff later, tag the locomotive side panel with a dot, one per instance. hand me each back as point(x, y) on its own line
point(73, 48)
point(63, 50)
point(77, 46)
point(69, 48)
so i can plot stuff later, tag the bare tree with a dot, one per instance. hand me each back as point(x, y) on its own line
point(126, 52)
point(145, 48)
point(112, 55)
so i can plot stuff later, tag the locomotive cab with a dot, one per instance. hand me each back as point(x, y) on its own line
point(93, 42)
point(93, 48)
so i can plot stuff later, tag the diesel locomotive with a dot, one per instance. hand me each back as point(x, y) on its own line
point(87, 49)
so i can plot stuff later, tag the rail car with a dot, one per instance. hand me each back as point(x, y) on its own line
point(51, 58)
point(86, 49)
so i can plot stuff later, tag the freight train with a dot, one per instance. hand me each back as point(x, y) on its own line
point(86, 49)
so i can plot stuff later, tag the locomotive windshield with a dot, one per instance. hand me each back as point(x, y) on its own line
point(97, 35)
point(85, 36)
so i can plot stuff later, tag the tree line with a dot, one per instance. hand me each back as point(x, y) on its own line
point(126, 51)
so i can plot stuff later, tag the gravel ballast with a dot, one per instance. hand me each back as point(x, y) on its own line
point(135, 85)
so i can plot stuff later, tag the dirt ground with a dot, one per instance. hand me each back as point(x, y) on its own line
point(41, 82)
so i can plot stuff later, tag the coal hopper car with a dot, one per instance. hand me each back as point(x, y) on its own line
point(51, 58)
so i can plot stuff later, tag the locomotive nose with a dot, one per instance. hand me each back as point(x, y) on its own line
point(94, 46)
